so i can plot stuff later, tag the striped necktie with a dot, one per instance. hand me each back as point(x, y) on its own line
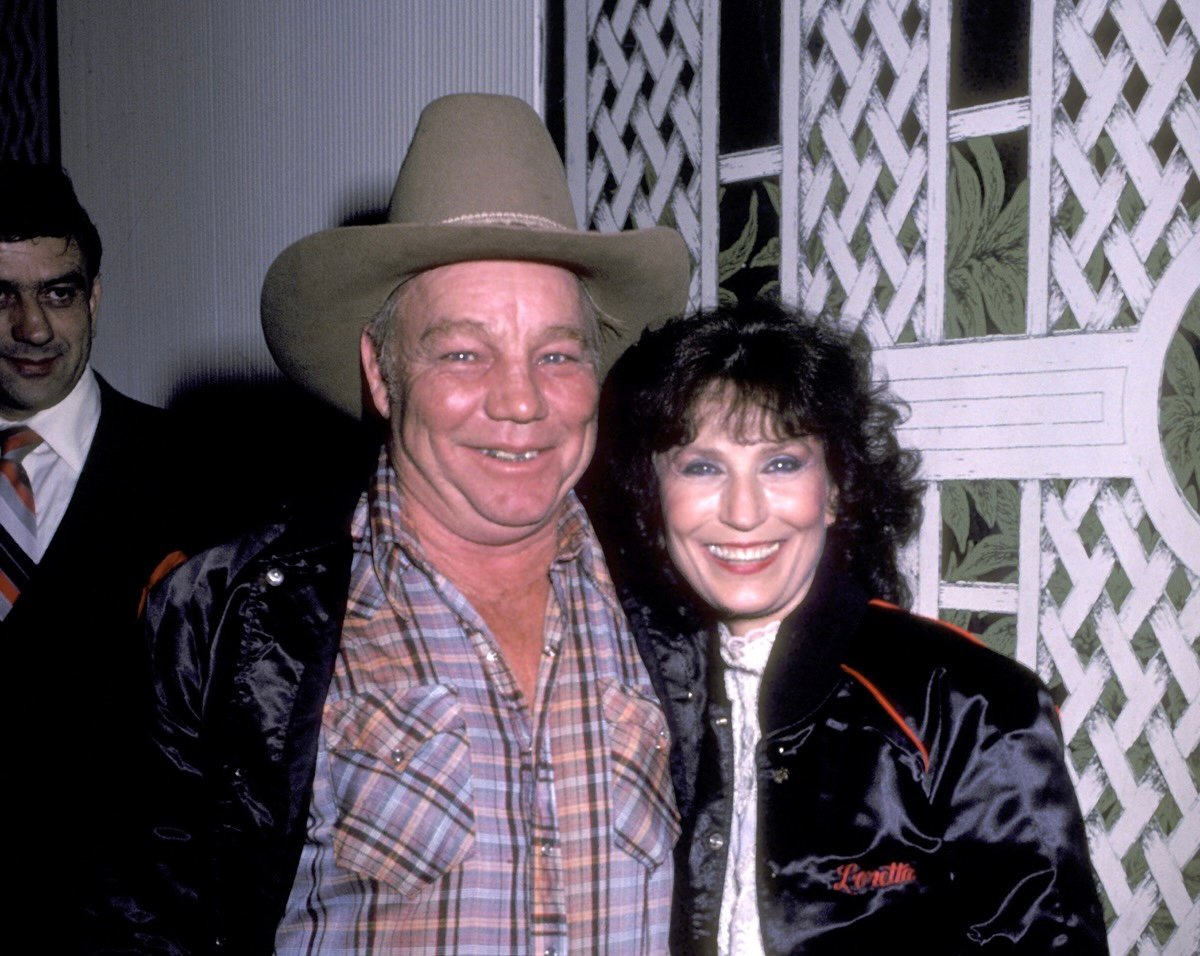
point(18, 515)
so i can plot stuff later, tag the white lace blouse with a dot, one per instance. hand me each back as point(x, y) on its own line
point(745, 658)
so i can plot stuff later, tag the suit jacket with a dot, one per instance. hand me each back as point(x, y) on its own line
point(75, 673)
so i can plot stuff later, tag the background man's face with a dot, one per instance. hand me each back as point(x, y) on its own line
point(494, 415)
point(47, 320)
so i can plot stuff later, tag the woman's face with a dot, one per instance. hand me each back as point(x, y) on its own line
point(745, 519)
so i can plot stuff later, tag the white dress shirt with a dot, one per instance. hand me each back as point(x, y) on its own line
point(745, 660)
point(67, 430)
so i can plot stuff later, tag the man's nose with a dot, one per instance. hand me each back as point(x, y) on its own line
point(28, 321)
point(743, 505)
point(515, 394)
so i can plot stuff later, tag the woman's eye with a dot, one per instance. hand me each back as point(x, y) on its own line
point(784, 464)
point(698, 469)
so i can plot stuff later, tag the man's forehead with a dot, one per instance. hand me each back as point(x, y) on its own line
point(48, 255)
point(469, 291)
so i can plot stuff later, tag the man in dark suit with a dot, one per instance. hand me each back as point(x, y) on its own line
point(90, 503)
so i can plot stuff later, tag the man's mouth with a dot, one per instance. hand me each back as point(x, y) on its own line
point(32, 365)
point(501, 455)
point(748, 553)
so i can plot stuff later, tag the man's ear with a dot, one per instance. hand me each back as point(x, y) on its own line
point(94, 303)
point(374, 376)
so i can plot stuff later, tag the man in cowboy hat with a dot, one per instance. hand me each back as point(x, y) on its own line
point(427, 729)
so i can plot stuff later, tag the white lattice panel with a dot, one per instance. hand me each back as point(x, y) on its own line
point(642, 167)
point(865, 133)
point(1107, 596)
point(1104, 153)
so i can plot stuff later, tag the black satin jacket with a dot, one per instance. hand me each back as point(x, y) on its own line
point(244, 641)
point(912, 790)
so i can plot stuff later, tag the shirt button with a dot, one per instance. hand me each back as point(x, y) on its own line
point(274, 577)
point(398, 756)
point(491, 656)
point(721, 721)
point(550, 951)
point(716, 841)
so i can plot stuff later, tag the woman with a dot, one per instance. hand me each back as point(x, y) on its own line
point(848, 775)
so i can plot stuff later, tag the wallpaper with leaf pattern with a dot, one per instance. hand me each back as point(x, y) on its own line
point(986, 276)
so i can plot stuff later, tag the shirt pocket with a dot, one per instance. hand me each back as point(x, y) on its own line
point(401, 773)
point(645, 821)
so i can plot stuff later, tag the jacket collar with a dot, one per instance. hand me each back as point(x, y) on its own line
point(813, 641)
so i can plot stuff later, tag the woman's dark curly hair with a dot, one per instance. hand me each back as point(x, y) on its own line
point(810, 379)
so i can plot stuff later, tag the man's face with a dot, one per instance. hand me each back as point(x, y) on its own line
point(493, 416)
point(47, 320)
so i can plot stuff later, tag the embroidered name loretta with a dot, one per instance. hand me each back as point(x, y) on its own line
point(851, 878)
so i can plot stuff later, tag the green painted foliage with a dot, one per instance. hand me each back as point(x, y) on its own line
point(986, 276)
point(986, 249)
point(1179, 405)
point(980, 523)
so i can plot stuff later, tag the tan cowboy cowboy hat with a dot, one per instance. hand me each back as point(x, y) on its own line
point(482, 180)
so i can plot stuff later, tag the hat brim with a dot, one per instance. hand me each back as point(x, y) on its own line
point(322, 290)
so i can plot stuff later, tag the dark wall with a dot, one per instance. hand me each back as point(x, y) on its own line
point(29, 81)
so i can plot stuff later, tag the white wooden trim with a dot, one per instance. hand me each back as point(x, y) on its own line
point(750, 164)
point(938, 177)
point(710, 210)
point(791, 103)
point(989, 120)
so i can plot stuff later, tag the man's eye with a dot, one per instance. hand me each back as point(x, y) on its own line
point(558, 358)
point(60, 295)
point(459, 356)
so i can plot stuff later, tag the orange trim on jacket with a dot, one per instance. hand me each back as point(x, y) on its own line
point(974, 639)
point(161, 570)
point(891, 712)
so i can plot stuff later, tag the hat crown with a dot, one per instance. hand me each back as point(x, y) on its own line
point(482, 158)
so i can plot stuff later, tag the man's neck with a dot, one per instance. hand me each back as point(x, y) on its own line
point(487, 570)
point(508, 585)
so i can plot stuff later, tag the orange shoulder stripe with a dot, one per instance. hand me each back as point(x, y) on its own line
point(879, 602)
point(891, 712)
point(161, 570)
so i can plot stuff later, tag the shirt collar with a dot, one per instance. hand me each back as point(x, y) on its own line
point(68, 428)
point(748, 652)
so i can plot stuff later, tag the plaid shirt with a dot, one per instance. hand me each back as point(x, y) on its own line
point(450, 816)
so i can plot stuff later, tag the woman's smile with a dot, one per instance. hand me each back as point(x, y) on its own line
point(745, 517)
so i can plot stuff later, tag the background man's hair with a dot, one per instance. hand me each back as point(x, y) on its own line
point(39, 200)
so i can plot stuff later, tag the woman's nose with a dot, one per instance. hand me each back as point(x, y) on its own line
point(743, 504)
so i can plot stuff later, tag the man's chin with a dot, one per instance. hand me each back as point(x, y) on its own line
point(24, 397)
point(508, 523)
